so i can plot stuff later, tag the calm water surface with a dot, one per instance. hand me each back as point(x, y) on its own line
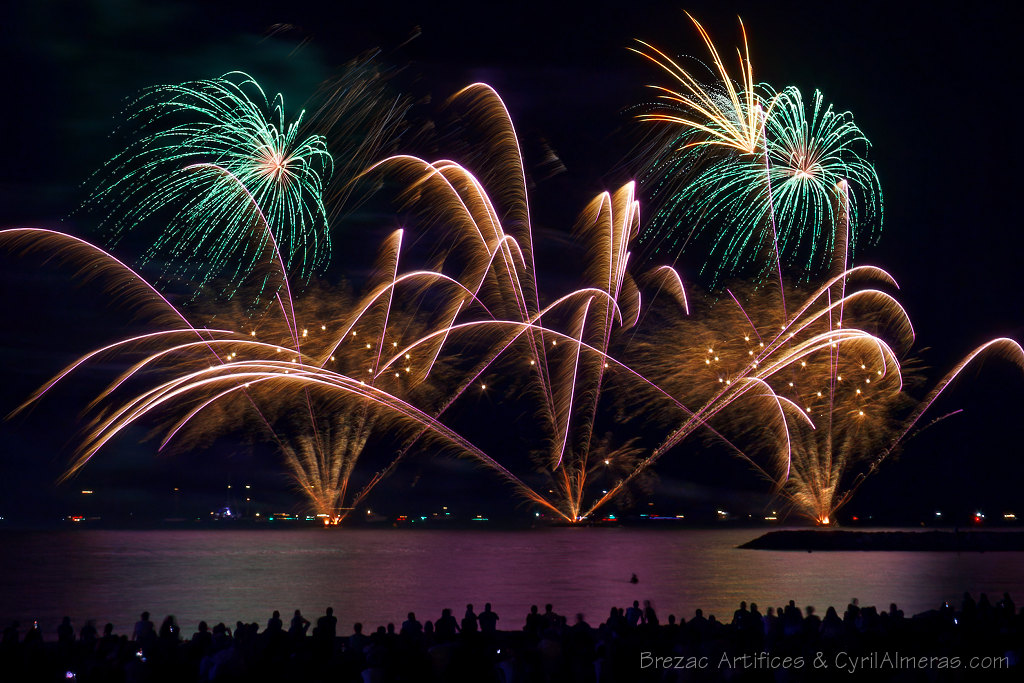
point(376, 576)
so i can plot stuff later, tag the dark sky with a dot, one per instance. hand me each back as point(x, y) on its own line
point(934, 87)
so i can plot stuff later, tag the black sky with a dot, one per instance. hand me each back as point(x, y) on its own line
point(935, 88)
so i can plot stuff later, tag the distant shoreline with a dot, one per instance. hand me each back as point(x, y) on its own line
point(934, 541)
point(772, 538)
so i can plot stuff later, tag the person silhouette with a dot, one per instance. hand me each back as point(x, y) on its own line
point(274, 624)
point(488, 620)
point(469, 622)
point(11, 634)
point(357, 642)
point(634, 614)
point(65, 634)
point(202, 639)
point(169, 631)
point(650, 617)
point(108, 643)
point(446, 627)
point(88, 633)
point(144, 630)
point(34, 636)
point(534, 621)
point(327, 625)
point(411, 627)
point(299, 625)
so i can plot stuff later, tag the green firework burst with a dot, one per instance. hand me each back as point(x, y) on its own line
point(734, 198)
point(216, 165)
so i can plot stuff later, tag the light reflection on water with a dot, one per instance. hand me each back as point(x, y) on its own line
point(377, 576)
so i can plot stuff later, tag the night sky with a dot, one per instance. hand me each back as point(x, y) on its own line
point(933, 87)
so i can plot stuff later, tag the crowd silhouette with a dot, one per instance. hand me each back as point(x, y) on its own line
point(980, 640)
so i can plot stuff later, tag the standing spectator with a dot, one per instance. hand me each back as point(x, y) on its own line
point(469, 622)
point(274, 624)
point(446, 627)
point(299, 626)
point(411, 627)
point(488, 620)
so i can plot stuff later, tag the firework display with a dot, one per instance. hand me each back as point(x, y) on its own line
point(753, 170)
point(813, 387)
point(198, 152)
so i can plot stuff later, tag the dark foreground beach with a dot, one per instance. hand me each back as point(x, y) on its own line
point(979, 639)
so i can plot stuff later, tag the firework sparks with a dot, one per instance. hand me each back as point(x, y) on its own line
point(192, 146)
point(727, 115)
point(825, 381)
point(766, 190)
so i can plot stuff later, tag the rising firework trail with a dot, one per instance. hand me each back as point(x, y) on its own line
point(568, 361)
